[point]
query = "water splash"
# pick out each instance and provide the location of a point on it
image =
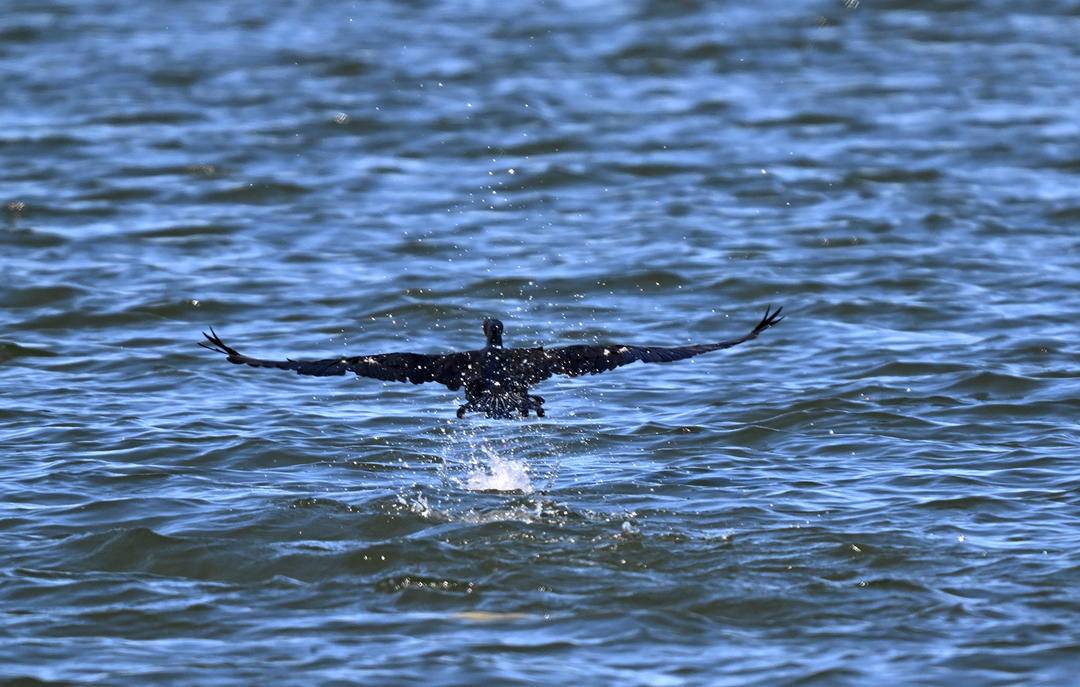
(419, 505)
(498, 458)
(500, 474)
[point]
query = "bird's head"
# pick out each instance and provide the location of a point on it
(493, 330)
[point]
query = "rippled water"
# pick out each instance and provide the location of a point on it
(882, 489)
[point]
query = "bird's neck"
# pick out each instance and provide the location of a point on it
(495, 341)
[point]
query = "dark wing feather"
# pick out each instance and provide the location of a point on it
(540, 363)
(417, 368)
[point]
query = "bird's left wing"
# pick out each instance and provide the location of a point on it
(538, 364)
(417, 368)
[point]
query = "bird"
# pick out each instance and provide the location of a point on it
(496, 379)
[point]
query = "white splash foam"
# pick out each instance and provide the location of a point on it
(419, 505)
(496, 458)
(500, 474)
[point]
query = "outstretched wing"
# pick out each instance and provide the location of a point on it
(540, 363)
(417, 368)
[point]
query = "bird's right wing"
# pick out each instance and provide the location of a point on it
(537, 364)
(450, 369)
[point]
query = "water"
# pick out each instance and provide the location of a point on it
(882, 489)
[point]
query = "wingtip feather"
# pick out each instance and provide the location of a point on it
(217, 345)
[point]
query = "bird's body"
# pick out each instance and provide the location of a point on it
(500, 389)
(496, 380)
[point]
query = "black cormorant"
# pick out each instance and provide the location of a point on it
(496, 379)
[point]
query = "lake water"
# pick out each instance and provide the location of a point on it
(883, 489)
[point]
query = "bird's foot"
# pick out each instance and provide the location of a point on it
(538, 405)
(461, 411)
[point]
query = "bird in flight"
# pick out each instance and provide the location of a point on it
(496, 379)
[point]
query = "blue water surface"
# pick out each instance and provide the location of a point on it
(883, 489)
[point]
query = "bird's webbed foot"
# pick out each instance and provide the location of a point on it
(461, 411)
